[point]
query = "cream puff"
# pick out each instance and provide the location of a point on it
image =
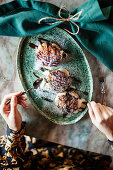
(59, 79)
(49, 54)
(69, 102)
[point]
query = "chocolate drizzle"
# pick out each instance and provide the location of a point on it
(48, 44)
(68, 103)
(73, 89)
(37, 83)
(45, 91)
(35, 74)
(44, 98)
(65, 114)
(43, 69)
(59, 80)
(49, 54)
(76, 80)
(33, 45)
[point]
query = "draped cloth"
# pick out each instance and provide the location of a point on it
(20, 18)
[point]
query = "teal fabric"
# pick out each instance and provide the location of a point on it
(20, 18)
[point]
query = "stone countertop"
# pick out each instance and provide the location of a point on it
(83, 134)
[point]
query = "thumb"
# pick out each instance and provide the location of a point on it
(13, 104)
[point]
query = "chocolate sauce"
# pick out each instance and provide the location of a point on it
(35, 74)
(43, 39)
(41, 57)
(67, 51)
(37, 83)
(49, 45)
(33, 45)
(84, 92)
(43, 69)
(44, 98)
(47, 91)
(70, 103)
(50, 62)
(59, 80)
(64, 114)
(72, 89)
(82, 108)
(75, 79)
(46, 59)
(53, 59)
(84, 103)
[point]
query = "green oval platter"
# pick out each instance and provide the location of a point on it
(76, 63)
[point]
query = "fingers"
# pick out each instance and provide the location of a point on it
(100, 112)
(23, 104)
(104, 111)
(7, 97)
(97, 111)
(110, 111)
(91, 113)
(21, 101)
(12, 94)
(22, 98)
(13, 104)
(16, 94)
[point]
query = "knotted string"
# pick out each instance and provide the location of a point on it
(61, 19)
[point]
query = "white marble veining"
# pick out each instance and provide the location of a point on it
(81, 135)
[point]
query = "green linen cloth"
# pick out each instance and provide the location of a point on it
(19, 18)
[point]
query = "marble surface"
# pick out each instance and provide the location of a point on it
(83, 134)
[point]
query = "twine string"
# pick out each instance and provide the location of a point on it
(61, 19)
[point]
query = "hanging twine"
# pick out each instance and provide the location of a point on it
(61, 19)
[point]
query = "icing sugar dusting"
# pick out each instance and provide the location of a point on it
(73, 63)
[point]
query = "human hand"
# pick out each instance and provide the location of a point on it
(102, 118)
(10, 112)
